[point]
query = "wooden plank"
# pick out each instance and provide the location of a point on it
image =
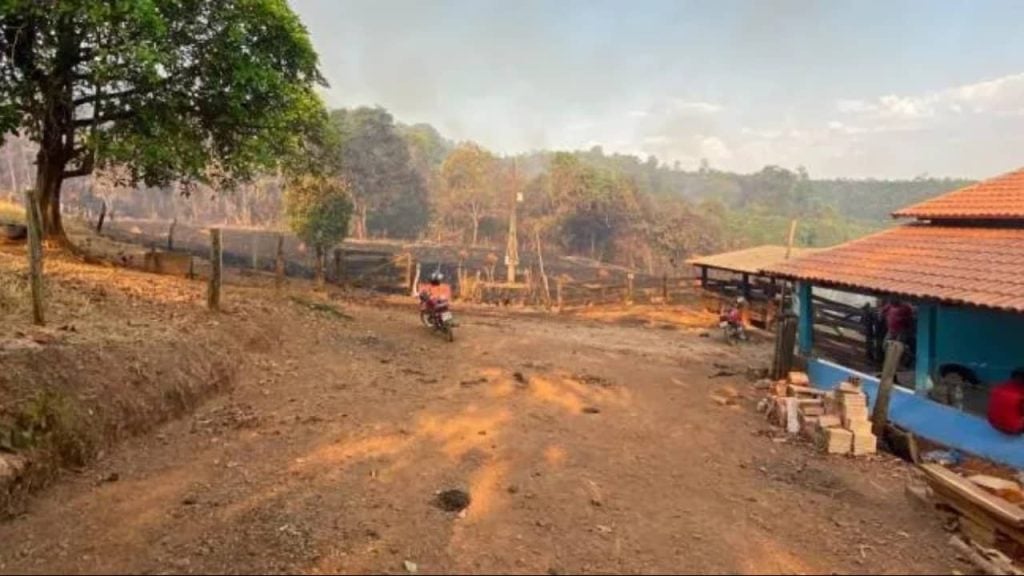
(795, 390)
(817, 299)
(964, 488)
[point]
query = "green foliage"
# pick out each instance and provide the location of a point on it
(318, 210)
(189, 90)
(48, 421)
(469, 188)
(390, 196)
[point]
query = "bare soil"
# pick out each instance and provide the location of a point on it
(584, 446)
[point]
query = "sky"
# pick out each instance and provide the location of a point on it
(865, 88)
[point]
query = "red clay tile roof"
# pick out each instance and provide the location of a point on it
(961, 265)
(999, 198)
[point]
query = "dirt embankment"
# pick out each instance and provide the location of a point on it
(122, 351)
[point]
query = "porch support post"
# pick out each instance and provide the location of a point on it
(703, 276)
(805, 311)
(925, 352)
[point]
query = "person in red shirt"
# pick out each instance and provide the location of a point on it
(899, 321)
(1006, 404)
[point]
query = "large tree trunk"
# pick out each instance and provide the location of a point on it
(48, 184)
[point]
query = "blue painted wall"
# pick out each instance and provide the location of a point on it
(990, 343)
(929, 419)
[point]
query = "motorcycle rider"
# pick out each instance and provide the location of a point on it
(734, 318)
(436, 290)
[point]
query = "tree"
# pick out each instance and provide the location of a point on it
(165, 87)
(390, 196)
(318, 211)
(468, 181)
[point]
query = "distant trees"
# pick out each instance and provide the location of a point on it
(408, 181)
(165, 87)
(389, 194)
(469, 188)
(318, 210)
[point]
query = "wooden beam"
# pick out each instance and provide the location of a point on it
(962, 487)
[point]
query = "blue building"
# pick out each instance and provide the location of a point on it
(959, 260)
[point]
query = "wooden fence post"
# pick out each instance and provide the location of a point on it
(880, 415)
(103, 216)
(629, 288)
(540, 262)
(255, 251)
(170, 235)
(408, 272)
(34, 220)
(279, 263)
(664, 287)
(216, 262)
(416, 280)
(320, 255)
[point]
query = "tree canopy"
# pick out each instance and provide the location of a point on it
(390, 195)
(176, 90)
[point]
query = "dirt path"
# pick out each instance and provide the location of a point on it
(604, 454)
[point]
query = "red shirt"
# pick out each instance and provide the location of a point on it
(1006, 407)
(898, 318)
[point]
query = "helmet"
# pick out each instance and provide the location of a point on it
(436, 278)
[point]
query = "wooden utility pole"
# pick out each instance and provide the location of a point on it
(279, 263)
(512, 250)
(216, 263)
(34, 220)
(880, 414)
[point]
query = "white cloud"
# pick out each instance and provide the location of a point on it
(893, 106)
(1001, 96)
(854, 106)
(638, 113)
(714, 149)
(695, 107)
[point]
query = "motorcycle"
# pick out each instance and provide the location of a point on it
(435, 312)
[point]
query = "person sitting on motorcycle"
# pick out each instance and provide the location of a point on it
(735, 314)
(436, 289)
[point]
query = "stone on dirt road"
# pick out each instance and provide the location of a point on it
(453, 500)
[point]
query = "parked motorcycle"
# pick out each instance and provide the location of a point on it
(435, 312)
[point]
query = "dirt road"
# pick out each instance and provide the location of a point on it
(585, 448)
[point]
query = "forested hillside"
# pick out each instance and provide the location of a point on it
(411, 182)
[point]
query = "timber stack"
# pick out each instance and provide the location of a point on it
(836, 420)
(986, 512)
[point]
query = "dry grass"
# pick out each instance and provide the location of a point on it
(14, 293)
(11, 213)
